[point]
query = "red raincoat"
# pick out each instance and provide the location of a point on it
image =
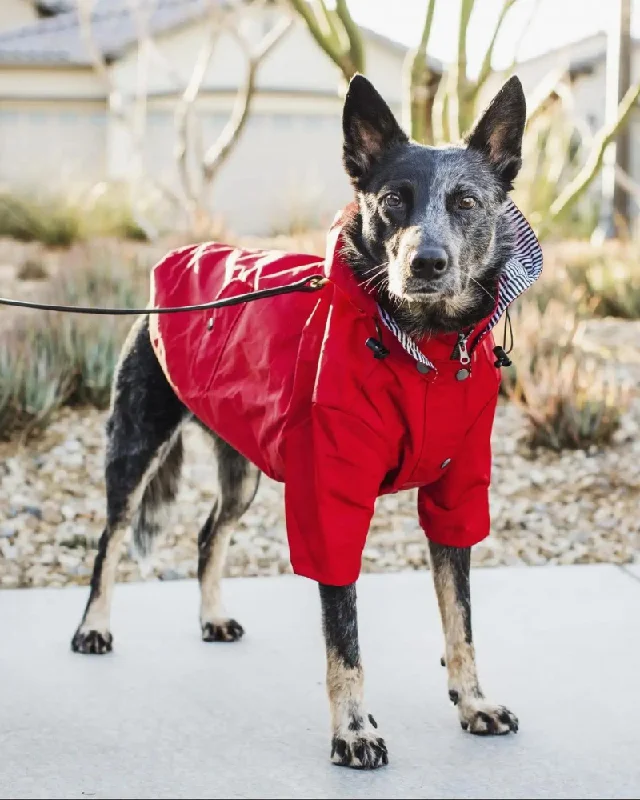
(290, 383)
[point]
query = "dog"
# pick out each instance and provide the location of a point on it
(433, 251)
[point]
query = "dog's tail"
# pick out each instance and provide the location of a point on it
(160, 491)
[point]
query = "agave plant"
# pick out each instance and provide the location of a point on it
(571, 399)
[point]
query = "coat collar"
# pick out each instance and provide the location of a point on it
(521, 271)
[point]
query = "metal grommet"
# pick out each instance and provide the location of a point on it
(422, 368)
(445, 463)
(462, 374)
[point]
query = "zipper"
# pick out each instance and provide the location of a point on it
(460, 351)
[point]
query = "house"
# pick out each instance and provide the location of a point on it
(60, 126)
(585, 62)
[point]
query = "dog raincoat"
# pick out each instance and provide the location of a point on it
(292, 383)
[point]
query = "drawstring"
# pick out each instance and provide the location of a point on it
(375, 345)
(501, 353)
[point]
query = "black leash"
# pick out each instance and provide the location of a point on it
(310, 284)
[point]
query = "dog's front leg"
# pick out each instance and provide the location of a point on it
(451, 566)
(356, 742)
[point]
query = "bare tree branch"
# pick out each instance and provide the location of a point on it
(217, 154)
(327, 43)
(457, 83)
(485, 68)
(356, 48)
(576, 188)
(535, 7)
(329, 23)
(416, 75)
(630, 186)
(184, 118)
(349, 60)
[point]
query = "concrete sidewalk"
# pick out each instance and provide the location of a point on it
(168, 716)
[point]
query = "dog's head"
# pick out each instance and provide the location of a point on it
(429, 237)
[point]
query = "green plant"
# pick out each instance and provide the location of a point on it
(48, 360)
(59, 220)
(49, 220)
(571, 400)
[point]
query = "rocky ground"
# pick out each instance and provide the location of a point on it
(548, 508)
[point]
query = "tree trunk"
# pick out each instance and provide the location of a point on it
(614, 210)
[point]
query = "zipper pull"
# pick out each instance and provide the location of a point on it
(460, 350)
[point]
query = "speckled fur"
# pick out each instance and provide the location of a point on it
(144, 445)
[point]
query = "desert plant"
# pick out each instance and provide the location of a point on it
(571, 400)
(29, 218)
(48, 360)
(60, 220)
(601, 280)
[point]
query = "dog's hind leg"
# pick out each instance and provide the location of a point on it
(451, 568)
(143, 454)
(355, 742)
(238, 482)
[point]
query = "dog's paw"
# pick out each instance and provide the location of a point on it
(92, 642)
(484, 719)
(359, 750)
(227, 630)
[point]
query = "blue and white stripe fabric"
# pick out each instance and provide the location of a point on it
(521, 271)
(406, 341)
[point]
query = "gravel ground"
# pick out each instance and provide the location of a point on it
(548, 508)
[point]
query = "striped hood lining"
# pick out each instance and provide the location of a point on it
(521, 271)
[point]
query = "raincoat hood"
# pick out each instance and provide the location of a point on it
(323, 392)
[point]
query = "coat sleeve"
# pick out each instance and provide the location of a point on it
(454, 511)
(334, 467)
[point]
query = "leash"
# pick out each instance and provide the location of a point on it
(310, 284)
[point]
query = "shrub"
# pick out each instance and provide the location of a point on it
(32, 269)
(571, 399)
(57, 220)
(51, 221)
(603, 280)
(48, 360)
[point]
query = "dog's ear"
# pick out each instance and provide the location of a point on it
(369, 128)
(498, 133)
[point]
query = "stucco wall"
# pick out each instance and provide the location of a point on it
(15, 13)
(50, 145)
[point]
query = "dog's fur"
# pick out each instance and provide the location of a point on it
(426, 235)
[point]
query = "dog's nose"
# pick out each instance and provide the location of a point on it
(430, 263)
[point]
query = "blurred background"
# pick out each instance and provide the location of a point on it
(128, 127)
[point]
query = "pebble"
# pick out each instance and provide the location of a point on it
(547, 508)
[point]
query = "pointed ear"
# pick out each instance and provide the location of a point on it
(498, 133)
(369, 128)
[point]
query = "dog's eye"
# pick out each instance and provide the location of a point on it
(392, 200)
(466, 203)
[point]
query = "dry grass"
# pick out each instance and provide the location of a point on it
(602, 281)
(48, 360)
(571, 399)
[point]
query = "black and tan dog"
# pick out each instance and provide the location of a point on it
(430, 237)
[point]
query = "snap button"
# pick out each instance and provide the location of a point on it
(445, 463)
(422, 368)
(462, 374)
